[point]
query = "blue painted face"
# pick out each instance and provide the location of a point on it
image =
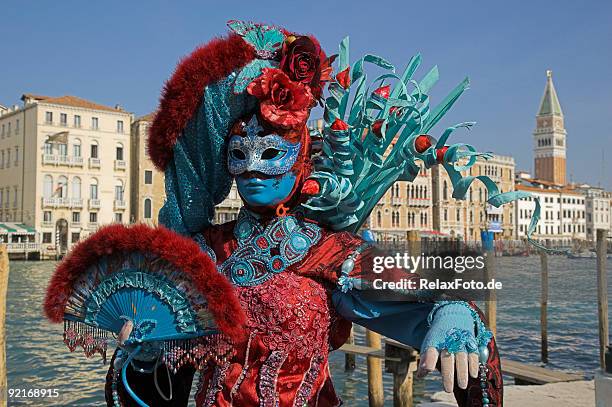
(262, 165)
(265, 191)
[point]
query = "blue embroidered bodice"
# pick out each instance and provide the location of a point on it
(264, 251)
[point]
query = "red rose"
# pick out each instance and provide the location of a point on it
(301, 60)
(282, 102)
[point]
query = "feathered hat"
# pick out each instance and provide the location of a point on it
(374, 133)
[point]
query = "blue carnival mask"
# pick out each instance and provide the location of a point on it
(269, 155)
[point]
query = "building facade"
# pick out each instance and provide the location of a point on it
(148, 191)
(468, 217)
(549, 138)
(147, 194)
(405, 206)
(63, 168)
(598, 210)
(562, 212)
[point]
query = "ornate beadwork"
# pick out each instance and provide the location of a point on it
(216, 384)
(303, 393)
(267, 379)
(264, 252)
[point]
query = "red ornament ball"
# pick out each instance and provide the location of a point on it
(422, 143)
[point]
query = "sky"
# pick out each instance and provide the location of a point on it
(119, 52)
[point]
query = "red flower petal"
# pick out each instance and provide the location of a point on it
(383, 91)
(339, 125)
(440, 154)
(310, 187)
(377, 127)
(344, 78)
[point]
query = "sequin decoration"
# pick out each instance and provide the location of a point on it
(264, 252)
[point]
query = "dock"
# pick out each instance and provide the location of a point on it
(402, 360)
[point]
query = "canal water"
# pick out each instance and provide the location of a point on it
(37, 357)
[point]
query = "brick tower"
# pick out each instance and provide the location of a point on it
(549, 137)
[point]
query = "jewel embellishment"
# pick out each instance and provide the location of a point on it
(264, 252)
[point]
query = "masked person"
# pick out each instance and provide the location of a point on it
(235, 111)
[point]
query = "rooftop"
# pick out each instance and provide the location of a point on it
(550, 102)
(68, 100)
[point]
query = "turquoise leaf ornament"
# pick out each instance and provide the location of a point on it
(267, 40)
(373, 145)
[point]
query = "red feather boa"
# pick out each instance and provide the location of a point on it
(183, 92)
(180, 251)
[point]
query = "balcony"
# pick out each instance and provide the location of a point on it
(94, 163)
(120, 165)
(23, 247)
(50, 159)
(55, 159)
(396, 201)
(76, 203)
(94, 203)
(420, 202)
(119, 204)
(54, 202)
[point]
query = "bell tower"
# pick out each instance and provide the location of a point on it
(549, 137)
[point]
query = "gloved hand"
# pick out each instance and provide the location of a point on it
(459, 337)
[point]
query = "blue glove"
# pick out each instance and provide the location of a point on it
(455, 327)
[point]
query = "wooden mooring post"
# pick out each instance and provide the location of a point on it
(376, 394)
(602, 295)
(491, 295)
(544, 307)
(349, 358)
(4, 274)
(401, 361)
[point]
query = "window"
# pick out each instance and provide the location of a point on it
(76, 148)
(77, 121)
(16, 156)
(94, 151)
(119, 126)
(444, 190)
(119, 192)
(49, 117)
(148, 177)
(46, 237)
(48, 186)
(8, 158)
(2, 159)
(118, 217)
(147, 209)
(93, 190)
(15, 196)
(94, 123)
(75, 237)
(93, 217)
(17, 126)
(3, 130)
(47, 217)
(63, 119)
(63, 149)
(48, 148)
(76, 188)
(62, 187)
(76, 217)
(119, 153)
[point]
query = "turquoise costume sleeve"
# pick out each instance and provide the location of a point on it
(405, 322)
(447, 325)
